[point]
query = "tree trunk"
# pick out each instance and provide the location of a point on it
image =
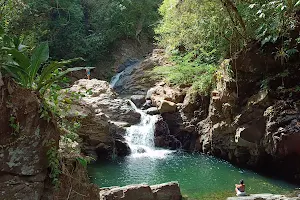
(230, 6)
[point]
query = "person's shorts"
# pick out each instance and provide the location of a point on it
(240, 194)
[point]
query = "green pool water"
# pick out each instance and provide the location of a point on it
(200, 176)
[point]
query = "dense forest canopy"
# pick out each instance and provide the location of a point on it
(224, 25)
(198, 34)
(78, 28)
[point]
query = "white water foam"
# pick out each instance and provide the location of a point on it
(140, 137)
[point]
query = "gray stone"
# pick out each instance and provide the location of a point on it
(167, 107)
(152, 111)
(167, 191)
(103, 117)
(138, 100)
(130, 192)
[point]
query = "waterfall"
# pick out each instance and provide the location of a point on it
(115, 79)
(140, 137)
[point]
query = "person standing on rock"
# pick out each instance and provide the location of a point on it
(240, 188)
(88, 73)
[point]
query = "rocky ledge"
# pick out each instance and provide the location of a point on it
(165, 191)
(242, 121)
(103, 117)
(264, 197)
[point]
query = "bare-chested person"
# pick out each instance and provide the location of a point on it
(240, 188)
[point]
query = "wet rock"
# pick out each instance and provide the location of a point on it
(122, 148)
(138, 100)
(141, 150)
(162, 136)
(147, 104)
(161, 128)
(138, 78)
(126, 64)
(152, 111)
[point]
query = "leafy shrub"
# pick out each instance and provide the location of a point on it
(189, 71)
(31, 72)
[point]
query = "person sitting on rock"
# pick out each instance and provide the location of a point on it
(240, 188)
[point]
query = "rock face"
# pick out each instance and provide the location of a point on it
(242, 121)
(25, 141)
(103, 118)
(138, 78)
(166, 191)
(256, 128)
(162, 135)
(263, 197)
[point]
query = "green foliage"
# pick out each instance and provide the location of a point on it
(272, 19)
(76, 28)
(192, 24)
(14, 124)
(211, 25)
(190, 70)
(53, 163)
(31, 72)
(222, 27)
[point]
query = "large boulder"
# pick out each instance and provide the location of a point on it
(138, 100)
(163, 92)
(25, 141)
(103, 117)
(165, 191)
(167, 107)
(130, 192)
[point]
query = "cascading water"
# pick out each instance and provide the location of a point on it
(115, 79)
(140, 137)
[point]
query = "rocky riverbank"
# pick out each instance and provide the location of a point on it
(252, 118)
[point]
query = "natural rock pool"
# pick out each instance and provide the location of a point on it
(200, 176)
